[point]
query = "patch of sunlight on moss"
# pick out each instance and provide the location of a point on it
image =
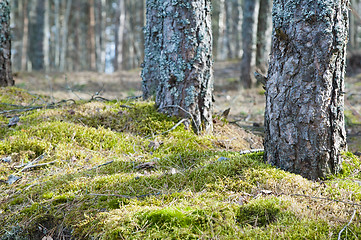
(351, 166)
(350, 118)
(14, 95)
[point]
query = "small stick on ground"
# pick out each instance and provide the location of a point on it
(348, 224)
(251, 151)
(101, 165)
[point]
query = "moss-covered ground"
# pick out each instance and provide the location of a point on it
(113, 170)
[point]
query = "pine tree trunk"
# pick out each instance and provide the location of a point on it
(119, 35)
(304, 121)
(6, 78)
(46, 39)
(92, 44)
(250, 8)
(178, 58)
(64, 37)
(36, 35)
(263, 35)
(24, 49)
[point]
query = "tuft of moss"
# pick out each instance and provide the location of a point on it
(261, 212)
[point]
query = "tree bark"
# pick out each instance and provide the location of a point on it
(64, 38)
(36, 35)
(119, 35)
(304, 121)
(92, 43)
(46, 39)
(263, 45)
(250, 8)
(178, 58)
(6, 78)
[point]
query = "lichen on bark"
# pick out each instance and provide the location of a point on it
(178, 59)
(304, 121)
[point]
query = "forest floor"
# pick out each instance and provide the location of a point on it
(247, 106)
(89, 168)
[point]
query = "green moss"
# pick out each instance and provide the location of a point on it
(194, 192)
(261, 212)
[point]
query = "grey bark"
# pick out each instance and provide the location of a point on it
(57, 33)
(178, 59)
(119, 35)
(64, 37)
(46, 39)
(6, 78)
(304, 121)
(250, 8)
(36, 34)
(264, 29)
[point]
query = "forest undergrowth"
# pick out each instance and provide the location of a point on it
(99, 169)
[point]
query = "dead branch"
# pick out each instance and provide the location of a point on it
(174, 127)
(125, 196)
(251, 151)
(101, 165)
(328, 199)
(30, 167)
(348, 224)
(30, 108)
(176, 106)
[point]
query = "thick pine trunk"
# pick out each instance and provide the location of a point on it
(304, 121)
(6, 78)
(178, 59)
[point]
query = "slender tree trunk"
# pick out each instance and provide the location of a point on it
(92, 35)
(64, 39)
(57, 33)
(178, 57)
(6, 78)
(264, 28)
(46, 35)
(221, 43)
(24, 51)
(119, 35)
(304, 121)
(250, 8)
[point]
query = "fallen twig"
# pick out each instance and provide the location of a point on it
(176, 106)
(32, 162)
(101, 165)
(328, 199)
(125, 196)
(251, 151)
(30, 108)
(348, 224)
(174, 127)
(36, 165)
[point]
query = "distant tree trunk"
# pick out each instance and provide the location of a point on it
(304, 121)
(222, 31)
(92, 44)
(119, 35)
(248, 39)
(6, 78)
(64, 38)
(237, 27)
(36, 35)
(24, 54)
(263, 35)
(57, 33)
(178, 58)
(46, 35)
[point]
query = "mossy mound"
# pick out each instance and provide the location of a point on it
(112, 170)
